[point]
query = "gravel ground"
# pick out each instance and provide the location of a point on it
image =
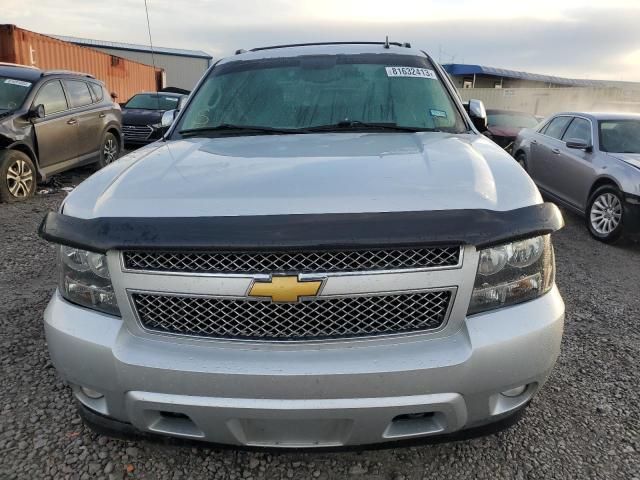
(584, 423)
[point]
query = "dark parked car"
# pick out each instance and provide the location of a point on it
(503, 126)
(142, 116)
(52, 121)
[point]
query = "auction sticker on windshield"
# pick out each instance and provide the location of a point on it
(412, 72)
(20, 83)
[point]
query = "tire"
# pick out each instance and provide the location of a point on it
(18, 177)
(521, 158)
(109, 150)
(605, 214)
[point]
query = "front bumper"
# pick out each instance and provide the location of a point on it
(308, 395)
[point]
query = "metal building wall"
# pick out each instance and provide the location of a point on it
(180, 71)
(547, 101)
(122, 76)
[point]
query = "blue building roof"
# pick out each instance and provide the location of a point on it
(461, 69)
(87, 42)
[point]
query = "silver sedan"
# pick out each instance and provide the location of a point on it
(589, 163)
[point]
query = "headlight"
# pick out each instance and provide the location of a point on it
(513, 273)
(85, 280)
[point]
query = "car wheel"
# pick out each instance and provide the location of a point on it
(110, 150)
(605, 214)
(17, 176)
(521, 158)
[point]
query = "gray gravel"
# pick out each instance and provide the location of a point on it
(584, 424)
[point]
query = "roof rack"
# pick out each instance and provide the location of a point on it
(66, 72)
(384, 44)
(7, 64)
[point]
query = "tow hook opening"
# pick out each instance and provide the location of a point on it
(172, 423)
(413, 424)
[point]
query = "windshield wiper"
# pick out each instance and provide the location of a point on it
(359, 125)
(228, 127)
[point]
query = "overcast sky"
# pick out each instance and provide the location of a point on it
(595, 39)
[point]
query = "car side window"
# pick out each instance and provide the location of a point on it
(580, 129)
(51, 95)
(98, 94)
(543, 128)
(79, 94)
(557, 127)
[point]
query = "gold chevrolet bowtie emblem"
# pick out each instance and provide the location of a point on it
(285, 289)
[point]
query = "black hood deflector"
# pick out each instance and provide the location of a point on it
(481, 228)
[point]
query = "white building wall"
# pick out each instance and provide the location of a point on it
(181, 72)
(547, 101)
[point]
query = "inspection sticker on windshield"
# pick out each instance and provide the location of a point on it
(438, 113)
(20, 83)
(412, 72)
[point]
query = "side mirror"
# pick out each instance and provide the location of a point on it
(37, 112)
(478, 114)
(168, 117)
(577, 144)
(114, 95)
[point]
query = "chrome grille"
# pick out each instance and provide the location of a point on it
(137, 132)
(307, 320)
(298, 262)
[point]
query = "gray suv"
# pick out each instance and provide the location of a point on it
(322, 251)
(52, 121)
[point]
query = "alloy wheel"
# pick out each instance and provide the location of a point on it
(110, 151)
(19, 179)
(606, 213)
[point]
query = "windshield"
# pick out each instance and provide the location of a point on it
(511, 120)
(620, 136)
(13, 92)
(151, 101)
(325, 90)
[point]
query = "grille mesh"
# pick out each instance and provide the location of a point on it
(137, 132)
(298, 262)
(306, 320)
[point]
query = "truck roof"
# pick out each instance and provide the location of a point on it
(337, 48)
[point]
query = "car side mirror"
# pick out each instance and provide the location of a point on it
(478, 114)
(37, 112)
(168, 117)
(577, 144)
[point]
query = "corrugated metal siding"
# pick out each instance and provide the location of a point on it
(122, 76)
(181, 72)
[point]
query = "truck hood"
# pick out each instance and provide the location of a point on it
(306, 173)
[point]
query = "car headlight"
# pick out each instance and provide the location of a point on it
(85, 280)
(513, 273)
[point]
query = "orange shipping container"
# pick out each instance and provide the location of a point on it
(121, 76)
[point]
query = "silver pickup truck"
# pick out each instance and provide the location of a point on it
(323, 251)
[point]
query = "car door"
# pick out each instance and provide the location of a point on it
(534, 158)
(56, 133)
(547, 146)
(573, 168)
(88, 117)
